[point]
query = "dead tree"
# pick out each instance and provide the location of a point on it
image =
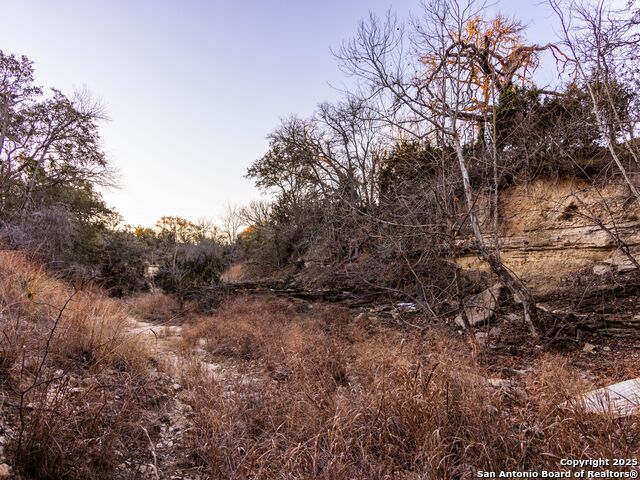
(437, 90)
(601, 45)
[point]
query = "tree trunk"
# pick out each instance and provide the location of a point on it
(32, 183)
(513, 283)
(3, 135)
(5, 122)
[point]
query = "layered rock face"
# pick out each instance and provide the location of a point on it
(564, 238)
(551, 231)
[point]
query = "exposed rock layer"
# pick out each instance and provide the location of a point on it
(550, 232)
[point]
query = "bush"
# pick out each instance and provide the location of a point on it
(193, 273)
(49, 232)
(123, 266)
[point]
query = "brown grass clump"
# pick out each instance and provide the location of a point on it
(325, 398)
(72, 379)
(155, 307)
(236, 272)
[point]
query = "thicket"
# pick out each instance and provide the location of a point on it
(382, 188)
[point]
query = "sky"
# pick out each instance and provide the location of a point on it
(193, 87)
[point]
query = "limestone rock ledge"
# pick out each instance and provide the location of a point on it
(550, 233)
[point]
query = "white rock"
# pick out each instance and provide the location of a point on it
(406, 307)
(5, 471)
(601, 269)
(589, 348)
(481, 307)
(500, 383)
(514, 317)
(621, 399)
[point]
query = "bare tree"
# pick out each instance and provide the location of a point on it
(257, 213)
(438, 89)
(232, 222)
(601, 47)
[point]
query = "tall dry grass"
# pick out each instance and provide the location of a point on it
(324, 396)
(156, 307)
(73, 380)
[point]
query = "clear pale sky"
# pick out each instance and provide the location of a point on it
(193, 87)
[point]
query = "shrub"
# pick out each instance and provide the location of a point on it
(193, 272)
(123, 267)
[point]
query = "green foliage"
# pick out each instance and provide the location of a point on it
(514, 104)
(123, 267)
(192, 272)
(268, 247)
(286, 168)
(408, 162)
(177, 230)
(92, 218)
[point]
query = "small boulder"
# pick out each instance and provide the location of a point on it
(601, 269)
(480, 308)
(514, 317)
(5, 471)
(509, 387)
(500, 383)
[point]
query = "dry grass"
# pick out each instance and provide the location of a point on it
(73, 381)
(236, 272)
(155, 307)
(333, 398)
(309, 392)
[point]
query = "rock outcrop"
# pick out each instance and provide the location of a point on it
(553, 230)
